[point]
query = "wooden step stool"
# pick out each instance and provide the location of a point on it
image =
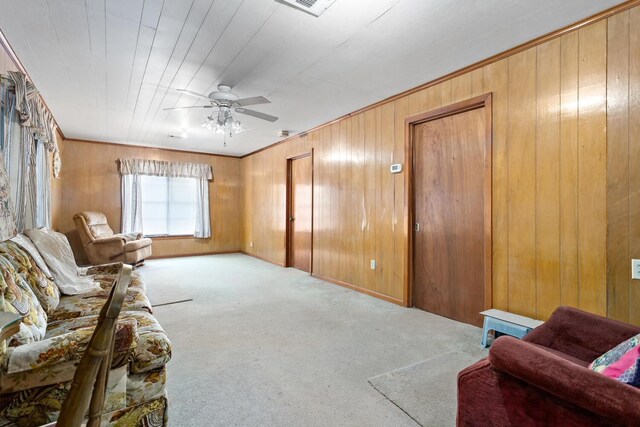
(503, 322)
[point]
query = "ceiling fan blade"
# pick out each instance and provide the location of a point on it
(197, 95)
(256, 114)
(243, 102)
(184, 108)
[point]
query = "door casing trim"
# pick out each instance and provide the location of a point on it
(288, 261)
(482, 101)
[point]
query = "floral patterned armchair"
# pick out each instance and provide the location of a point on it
(38, 364)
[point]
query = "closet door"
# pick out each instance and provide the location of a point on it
(449, 239)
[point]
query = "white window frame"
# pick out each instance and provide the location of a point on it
(168, 203)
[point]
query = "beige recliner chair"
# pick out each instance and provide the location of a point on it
(102, 246)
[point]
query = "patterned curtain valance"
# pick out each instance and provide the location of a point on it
(161, 168)
(33, 114)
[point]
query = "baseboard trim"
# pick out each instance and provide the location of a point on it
(361, 290)
(337, 282)
(279, 264)
(193, 254)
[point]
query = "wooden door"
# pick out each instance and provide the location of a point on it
(300, 213)
(449, 213)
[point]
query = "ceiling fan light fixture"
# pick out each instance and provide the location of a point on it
(222, 122)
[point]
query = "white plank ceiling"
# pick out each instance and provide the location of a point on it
(107, 68)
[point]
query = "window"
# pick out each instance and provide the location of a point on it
(169, 205)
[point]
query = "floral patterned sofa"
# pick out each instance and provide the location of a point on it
(38, 363)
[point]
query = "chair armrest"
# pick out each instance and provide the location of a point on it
(570, 382)
(130, 237)
(580, 334)
(110, 240)
(107, 248)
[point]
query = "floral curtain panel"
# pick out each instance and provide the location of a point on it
(131, 171)
(27, 138)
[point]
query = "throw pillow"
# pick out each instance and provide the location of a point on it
(56, 251)
(621, 362)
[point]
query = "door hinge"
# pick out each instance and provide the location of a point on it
(416, 227)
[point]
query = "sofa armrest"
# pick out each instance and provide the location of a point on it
(580, 334)
(564, 379)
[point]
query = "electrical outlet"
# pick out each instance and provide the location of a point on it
(373, 264)
(635, 269)
(250, 244)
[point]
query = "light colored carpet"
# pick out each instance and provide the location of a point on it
(426, 391)
(168, 294)
(264, 345)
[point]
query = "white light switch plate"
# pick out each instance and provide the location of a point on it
(373, 264)
(635, 269)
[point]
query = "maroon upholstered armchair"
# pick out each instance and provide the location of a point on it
(544, 380)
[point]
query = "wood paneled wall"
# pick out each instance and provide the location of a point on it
(90, 181)
(555, 106)
(623, 164)
(566, 180)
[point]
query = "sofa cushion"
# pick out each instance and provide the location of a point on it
(621, 362)
(56, 251)
(153, 350)
(17, 297)
(43, 287)
(63, 345)
(72, 306)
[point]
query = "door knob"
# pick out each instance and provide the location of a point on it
(291, 219)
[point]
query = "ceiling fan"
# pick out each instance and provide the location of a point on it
(227, 101)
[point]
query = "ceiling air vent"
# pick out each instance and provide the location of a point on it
(314, 7)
